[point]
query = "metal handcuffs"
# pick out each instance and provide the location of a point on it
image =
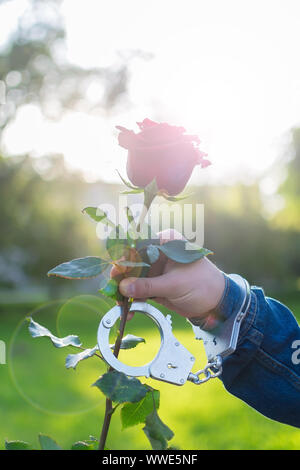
(173, 362)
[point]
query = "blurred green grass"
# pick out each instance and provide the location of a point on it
(39, 395)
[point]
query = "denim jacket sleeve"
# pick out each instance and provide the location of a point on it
(264, 371)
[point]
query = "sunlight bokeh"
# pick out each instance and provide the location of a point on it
(69, 73)
(225, 70)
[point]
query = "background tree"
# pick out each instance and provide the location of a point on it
(35, 68)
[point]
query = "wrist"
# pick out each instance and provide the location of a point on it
(228, 304)
(213, 288)
(217, 313)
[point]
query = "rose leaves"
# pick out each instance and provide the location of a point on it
(180, 251)
(136, 413)
(36, 330)
(81, 268)
(157, 432)
(119, 388)
(47, 443)
(141, 404)
(73, 359)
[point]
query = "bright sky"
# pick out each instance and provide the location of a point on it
(227, 70)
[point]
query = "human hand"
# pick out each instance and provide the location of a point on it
(191, 290)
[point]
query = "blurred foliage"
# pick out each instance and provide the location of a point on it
(48, 398)
(35, 69)
(42, 226)
(41, 223)
(245, 242)
(289, 217)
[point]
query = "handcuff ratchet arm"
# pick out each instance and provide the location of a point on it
(173, 362)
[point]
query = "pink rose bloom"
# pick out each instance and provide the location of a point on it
(163, 152)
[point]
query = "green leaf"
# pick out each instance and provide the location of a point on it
(175, 198)
(73, 359)
(98, 215)
(150, 191)
(145, 242)
(104, 280)
(129, 185)
(178, 250)
(83, 445)
(132, 264)
(136, 413)
(88, 444)
(120, 388)
(191, 246)
(132, 234)
(110, 289)
(138, 269)
(132, 237)
(152, 187)
(129, 216)
(47, 443)
(157, 432)
(36, 330)
(133, 191)
(17, 445)
(80, 268)
(130, 342)
(152, 253)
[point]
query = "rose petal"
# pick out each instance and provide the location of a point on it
(161, 133)
(127, 138)
(199, 157)
(192, 138)
(146, 123)
(205, 163)
(163, 152)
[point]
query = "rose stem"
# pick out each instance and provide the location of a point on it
(108, 403)
(148, 199)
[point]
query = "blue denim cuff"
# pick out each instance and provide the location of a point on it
(230, 302)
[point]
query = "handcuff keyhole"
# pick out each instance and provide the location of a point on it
(170, 366)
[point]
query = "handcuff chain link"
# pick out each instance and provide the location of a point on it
(209, 374)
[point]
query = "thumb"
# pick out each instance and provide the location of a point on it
(143, 288)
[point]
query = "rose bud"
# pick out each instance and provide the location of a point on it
(163, 152)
